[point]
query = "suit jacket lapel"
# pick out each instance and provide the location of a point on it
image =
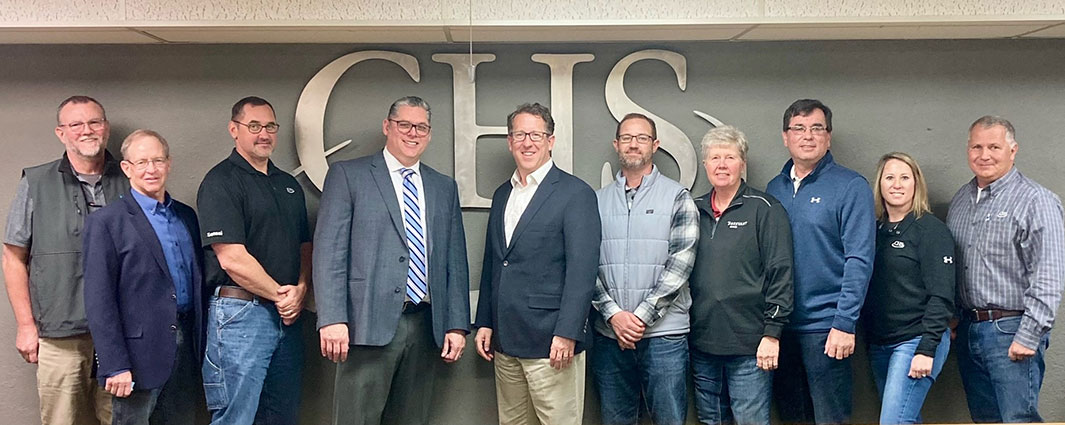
(147, 233)
(388, 193)
(496, 231)
(544, 191)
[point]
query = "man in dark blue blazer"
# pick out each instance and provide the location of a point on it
(143, 292)
(540, 263)
(390, 274)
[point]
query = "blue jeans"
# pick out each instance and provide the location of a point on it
(901, 397)
(253, 364)
(809, 386)
(657, 369)
(736, 382)
(997, 388)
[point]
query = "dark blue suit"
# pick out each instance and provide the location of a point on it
(541, 285)
(130, 299)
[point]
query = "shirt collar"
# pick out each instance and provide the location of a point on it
(996, 186)
(394, 165)
(533, 178)
(150, 205)
(243, 164)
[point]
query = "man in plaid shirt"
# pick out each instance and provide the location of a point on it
(650, 229)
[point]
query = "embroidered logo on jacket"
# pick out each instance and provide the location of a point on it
(214, 234)
(736, 224)
(898, 245)
(290, 190)
(815, 199)
(948, 260)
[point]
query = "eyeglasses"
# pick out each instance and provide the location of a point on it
(535, 136)
(142, 164)
(255, 127)
(642, 139)
(94, 125)
(405, 126)
(817, 130)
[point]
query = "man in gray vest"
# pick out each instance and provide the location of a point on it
(42, 262)
(650, 229)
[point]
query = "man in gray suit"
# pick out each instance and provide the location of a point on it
(390, 275)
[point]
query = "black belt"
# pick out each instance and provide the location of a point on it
(411, 308)
(975, 315)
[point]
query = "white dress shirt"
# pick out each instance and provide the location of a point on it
(520, 196)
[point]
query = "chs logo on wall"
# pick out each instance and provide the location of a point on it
(310, 112)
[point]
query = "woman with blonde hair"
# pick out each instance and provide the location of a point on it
(910, 298)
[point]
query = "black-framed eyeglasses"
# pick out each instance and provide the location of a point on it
(405, 126)
(817, 130)
(94, 125)
(642, 139)
(535, 136)
(255, 127)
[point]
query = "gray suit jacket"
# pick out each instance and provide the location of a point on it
(360, 252)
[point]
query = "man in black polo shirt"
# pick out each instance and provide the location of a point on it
(257, 260)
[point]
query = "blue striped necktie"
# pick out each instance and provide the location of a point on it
(417, 271)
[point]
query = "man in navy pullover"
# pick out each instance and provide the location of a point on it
(831, 212)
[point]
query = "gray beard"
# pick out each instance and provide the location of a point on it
(633, 164)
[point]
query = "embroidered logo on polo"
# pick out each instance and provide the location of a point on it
(736, 224)
(650, 211)
(898, 245)
(948, 260)
(214, 234)
(815, 199)
(1002, 214)
(290, 190)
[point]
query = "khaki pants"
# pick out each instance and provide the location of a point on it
(69, 395)
(530, 391)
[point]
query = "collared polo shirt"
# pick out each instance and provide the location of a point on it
(266, 213)
(176, 242)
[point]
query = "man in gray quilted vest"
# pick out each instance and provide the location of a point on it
(650, 229)
(42, 262)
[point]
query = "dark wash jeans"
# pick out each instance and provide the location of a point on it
(809, 386)
(997, 388)
(731, 383)
(657, 369)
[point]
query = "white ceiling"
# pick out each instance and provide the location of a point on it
(506, 32)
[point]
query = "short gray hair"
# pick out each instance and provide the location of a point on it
(413, 101)
(988, 121)
(725, 135)
(136, 134)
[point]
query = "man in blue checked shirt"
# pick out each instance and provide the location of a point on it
(1010, 241)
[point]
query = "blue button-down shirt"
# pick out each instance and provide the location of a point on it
(176, 242)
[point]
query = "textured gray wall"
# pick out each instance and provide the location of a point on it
(917, 97)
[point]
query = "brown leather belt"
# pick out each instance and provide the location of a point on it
(235, 292)
(990, 314)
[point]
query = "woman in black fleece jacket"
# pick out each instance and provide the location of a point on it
(910, 298)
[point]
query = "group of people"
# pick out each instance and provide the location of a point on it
(131, 303)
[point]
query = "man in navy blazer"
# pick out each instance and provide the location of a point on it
(390, 275)
(143, 292)
(540, 262)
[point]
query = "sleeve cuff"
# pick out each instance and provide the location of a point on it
(647, 313)
(844, 324)
(608, 310)
(773, 329)
(1028, 334)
